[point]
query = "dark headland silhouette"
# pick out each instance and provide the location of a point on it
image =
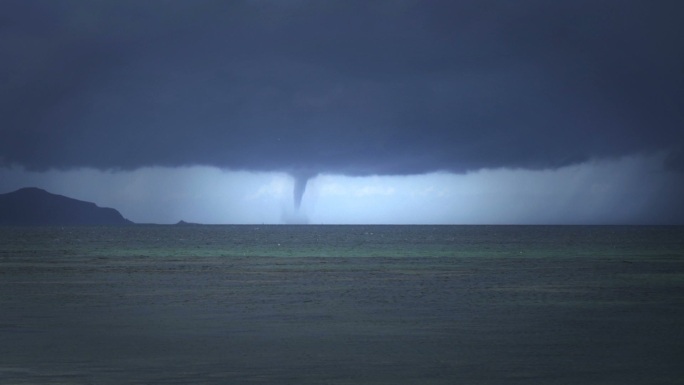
(32, 206)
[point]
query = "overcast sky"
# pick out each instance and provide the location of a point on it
(397, 111)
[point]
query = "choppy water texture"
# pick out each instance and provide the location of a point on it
(342, 305)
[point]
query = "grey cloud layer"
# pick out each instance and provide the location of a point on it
(354, 87)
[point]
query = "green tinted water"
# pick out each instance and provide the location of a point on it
(346, 241)
(342, 304)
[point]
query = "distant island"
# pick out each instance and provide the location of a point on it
(32, 206)
(184, 223)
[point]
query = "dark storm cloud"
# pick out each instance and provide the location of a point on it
(354, 87)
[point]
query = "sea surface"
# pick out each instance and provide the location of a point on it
(342, 305)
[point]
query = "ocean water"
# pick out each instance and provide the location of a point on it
(342, 305)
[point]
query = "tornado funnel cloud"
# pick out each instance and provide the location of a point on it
(300, 182)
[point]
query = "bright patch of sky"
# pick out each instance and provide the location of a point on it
(626, 190)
